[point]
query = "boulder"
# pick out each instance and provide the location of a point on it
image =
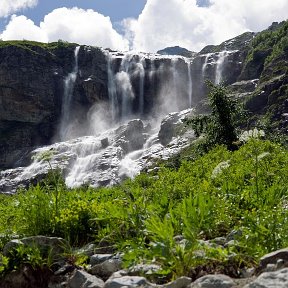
(273, 257)
(277, 279)
(128, 282)
(84, 280)
(106, 268)
(181, 282)
(99, 258)
(213, 281)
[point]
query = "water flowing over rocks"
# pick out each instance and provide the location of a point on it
(95, 109)
(60, 92)
(85, 160)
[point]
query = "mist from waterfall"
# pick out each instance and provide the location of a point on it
(69, 82)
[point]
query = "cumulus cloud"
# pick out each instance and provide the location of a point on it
(73, 25)
(8, 7)
(192, 24)
(22, 28)
(165, 23)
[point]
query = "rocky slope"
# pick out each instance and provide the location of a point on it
(106, 271)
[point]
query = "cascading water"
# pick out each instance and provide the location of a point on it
(204, 66)
(175, 74)
(190, 83)
(69, 83)
(219, 66)
(141, 71)
(112, 92)
(102, 159)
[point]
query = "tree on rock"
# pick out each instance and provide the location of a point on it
(219, 127)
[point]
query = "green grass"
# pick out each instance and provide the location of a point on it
(221, 191)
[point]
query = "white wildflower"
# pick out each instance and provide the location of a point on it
(219, 168)
(254, 133)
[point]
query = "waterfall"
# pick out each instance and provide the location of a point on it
(141, 67)
(219, 66)
(175, 75)
(205, 65)
(190, 84)
(111, 86)
(69, 83)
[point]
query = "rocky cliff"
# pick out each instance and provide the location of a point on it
(61, 91)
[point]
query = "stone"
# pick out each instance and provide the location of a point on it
(106, 269)
(181, 282)
(87, 250)
(276, 279)
(273, 257)
(99, 258)
(128, 281)
(146, 269)
(213, 281)
(84, 280)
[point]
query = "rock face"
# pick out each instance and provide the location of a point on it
(60, 92)
(34, 80)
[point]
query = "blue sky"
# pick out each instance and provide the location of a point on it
(115, 9)
(146, 25)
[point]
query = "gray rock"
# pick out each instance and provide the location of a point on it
(144, 269)
(84, 280)
(213, 281)
(128, 281)
(87, 250)
(107, 268)
(99, 258)
(170, 126)
(181, 282)
(273, 257)
(277, 279)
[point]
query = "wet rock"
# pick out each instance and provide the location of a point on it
(213, 281)
(277, 279)
(131, 136)
(170, 124)
(85, 280)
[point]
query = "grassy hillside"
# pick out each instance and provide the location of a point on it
(243, 191)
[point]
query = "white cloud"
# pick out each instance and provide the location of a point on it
(73, 25)
(162, 23)
(22, 28)
(8, 7)
(165, 23)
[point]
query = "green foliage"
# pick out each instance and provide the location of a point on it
(165, 217)
(219, 127)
